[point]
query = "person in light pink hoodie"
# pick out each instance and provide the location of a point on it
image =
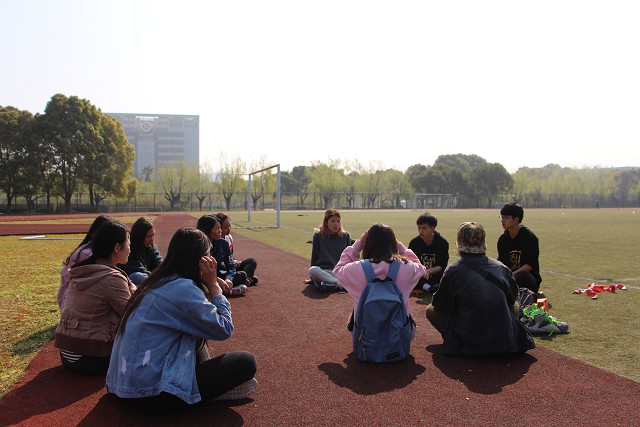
(379, 244)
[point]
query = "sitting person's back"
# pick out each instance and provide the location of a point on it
(475, 307)
(95, 303)
(383, 339)
(80, 253)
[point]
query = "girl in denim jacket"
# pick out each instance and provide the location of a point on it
(157, 360)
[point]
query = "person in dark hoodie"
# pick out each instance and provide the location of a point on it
(144, 256)
(97, 295)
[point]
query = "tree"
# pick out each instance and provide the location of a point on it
(231, 178)
(372, 180)
(491, 179)
(172, 179)
(132, 189)
(416, 174)
(30, 180)
(461, 162)
(262, 182)
(147, 173)
(110, 159)
(625, 181)
(301, 174)
(202, 182)
(398, 185)
(352, 182)
(326, 179)
(15, 132)
(70, 126)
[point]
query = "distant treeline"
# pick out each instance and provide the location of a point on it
(74, 157)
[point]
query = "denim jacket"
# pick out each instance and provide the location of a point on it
(155, 351)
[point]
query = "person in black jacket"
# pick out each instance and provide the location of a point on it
(144, 256)
(475, 309)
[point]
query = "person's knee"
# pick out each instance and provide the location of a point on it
(239, 278)
(138, 277)
(246, 362)
(524, 279)
(436, 318)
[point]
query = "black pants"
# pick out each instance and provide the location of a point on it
(88, 365)
(249, 266)
(214, 377)
(524, 279)
(239, 278)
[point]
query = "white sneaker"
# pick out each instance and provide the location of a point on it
(238, 290)
(242, 391)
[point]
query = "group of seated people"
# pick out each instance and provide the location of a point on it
(144, 320)
(139, 318)
(476, 302)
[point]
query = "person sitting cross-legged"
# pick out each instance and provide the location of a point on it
(475, 309)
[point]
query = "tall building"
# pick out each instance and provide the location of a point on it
(161, 138)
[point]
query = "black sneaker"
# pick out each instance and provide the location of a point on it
(254, 280)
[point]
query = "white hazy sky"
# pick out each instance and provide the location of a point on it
(386, 82)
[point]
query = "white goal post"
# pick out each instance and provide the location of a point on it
(434, 201)
(277, 195)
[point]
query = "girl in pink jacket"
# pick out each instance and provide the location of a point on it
(379, 244)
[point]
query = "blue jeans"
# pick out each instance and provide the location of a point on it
(137, 277)
(318, 275)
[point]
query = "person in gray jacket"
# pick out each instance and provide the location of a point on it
(328, 243)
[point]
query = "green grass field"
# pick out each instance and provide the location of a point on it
(577, 247)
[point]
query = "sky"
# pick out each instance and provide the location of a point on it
(388, 84)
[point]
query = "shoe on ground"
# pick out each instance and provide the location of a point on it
(543, 323)
(254, 280)
(329, 287)
(238, 290)
(242, 391)
(307, 282)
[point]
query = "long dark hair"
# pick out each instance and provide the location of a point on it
(222, 217)
(104, 241)
(381, 245)
(139, 231)
(206, 223)
(187, 247)
(89, 236)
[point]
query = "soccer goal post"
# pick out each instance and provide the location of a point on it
(263, 190)
(433, 201)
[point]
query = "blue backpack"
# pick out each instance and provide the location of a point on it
(382, 328)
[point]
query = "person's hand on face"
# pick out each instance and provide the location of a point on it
(208, 266)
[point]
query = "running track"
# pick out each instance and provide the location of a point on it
(308, 376)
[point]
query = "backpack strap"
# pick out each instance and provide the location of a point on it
(371, 275)
(393, 270)
(368, 270)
